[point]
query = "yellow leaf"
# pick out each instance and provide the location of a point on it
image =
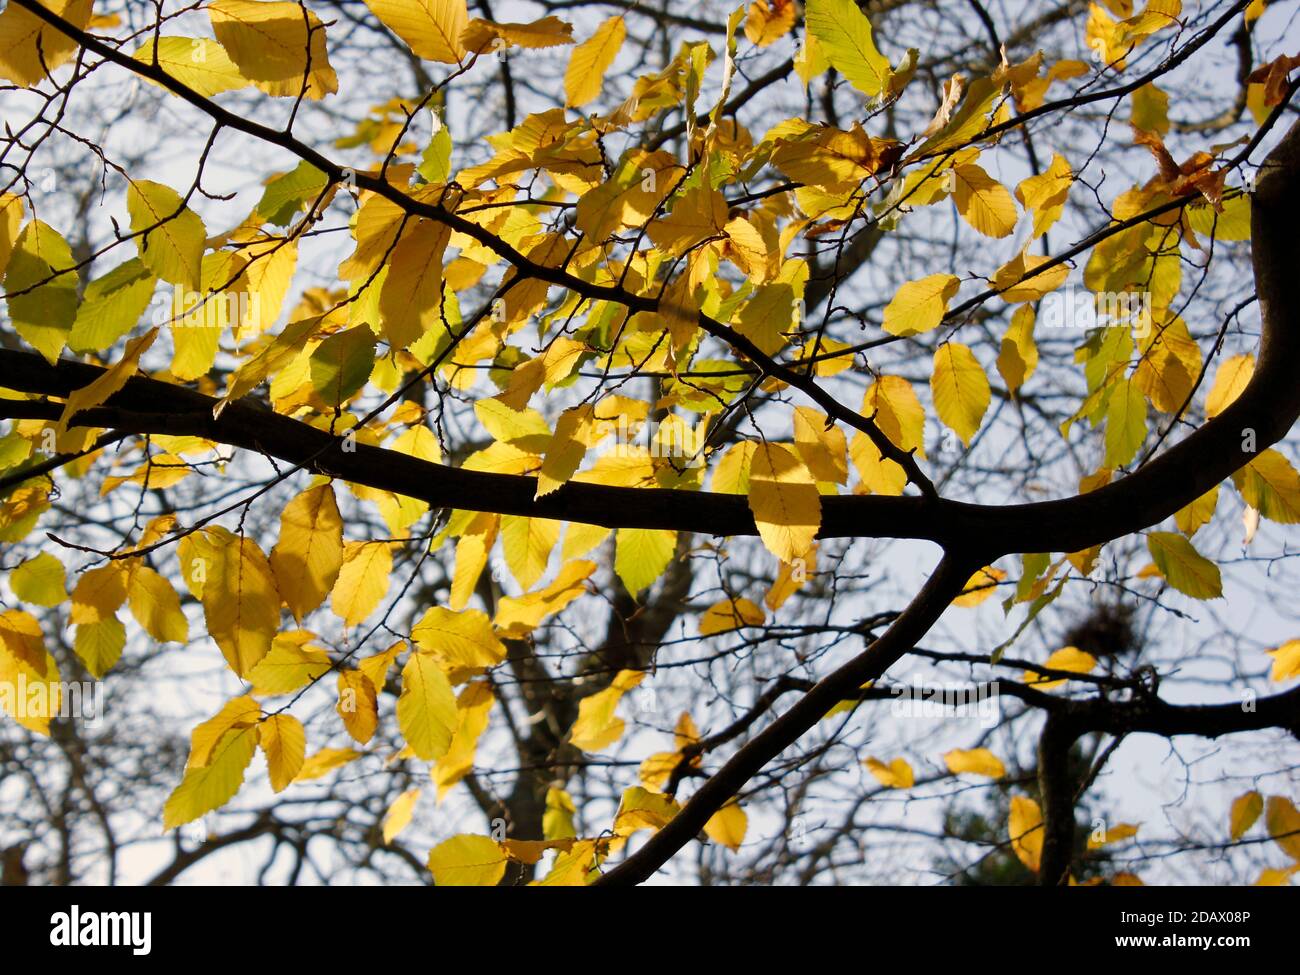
(766, 23)
(897, 774)
(810, 62)
(207, 787)
(1018, 355)
(99, 593)
(977, 761)
(40, 580)
(1116, 834)
(463, 639)
(288, 666)
(471, 557)
(1070, 659)
(1276, 878)
(197, 62)
(267, 274)
(100, 644)
(1170, 363)
(28, 45)
(473, 708)
(468, 861)
(983, 201)
(573, 432)
(1183, 567)
(155, 606)
(357, 705)
(731, 474)
(960, 389)
(307, 558)
(1286, 661)
(431, 28)
(410, 301)
(1017, 281)
(898, 412)
(481, 36)
(269, 41)
(980, 587)
(1272, 486)
(919, 306)
(1192, 517)
(426, 711)
(19, 635)
(377, 665)
(748, 251)
(843, 36)
(240, 603)
(641, 809)
(1026, 829)
(11, 218)
(641, 555)
(557, 821)
(1229, 380)
(325, 761)
(42, 301)
(399, 814)
(109, 381)
(171, 237)
(790, 579)
(597, 726)
(1245, 811)
(1126, 423)
(784, 500)
(241, 712)
(1283, 823)
(698, 214)
(284, 742)
(729, 824)
(1045, 193)
(362, 581)
(577, 866)
(631, 196)
(516, 618)
(727, 615)
(527, 544)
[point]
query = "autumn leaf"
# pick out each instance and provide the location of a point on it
(784, 500)
(591, 59)
(362, 581)
(467, 861)
(896, 775)
(960, 388)
(919, 306)
(171, 235)
(976, 761)
(431, 28)
(284, 743)
(1026, 829)
(426, 710)
(309, 554)
(843, 36)
(277, 44)
(30, 48)
(207, 787)
(1183, 567)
